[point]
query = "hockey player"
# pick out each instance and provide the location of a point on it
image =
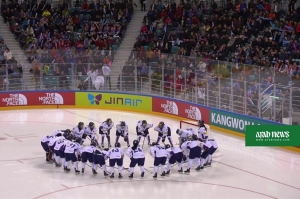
(202, 131)
(116, 156)
(160, 157)
(174, 155)
(104, 130)
(137, 156)
(194, 152)
(142, 129)
(185, 134)
(206, 150)
(59, 148)
(71, 151)
(78, 130)
(212, 150)
(99, 157)
(163, 132)
(44, 142)
(90, 131)
(122, 130)
(87, 155)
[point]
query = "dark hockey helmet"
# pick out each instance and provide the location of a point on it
(122, 123)
(183, 140)
(91, 125)
(108, 121)
(117, 144)
(80, 124)
(78, 140)
(67, 134)
(200, 122)
(167, 146)
(154, 144)
(106, 149)
(135, 142)
(194, 137)
(144, 123)
(58, 135)
(161, 124)
(67, 131)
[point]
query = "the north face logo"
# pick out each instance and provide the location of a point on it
(193, 113)
(171, 107)
(95, 99)
(15, 100)
(52, 98)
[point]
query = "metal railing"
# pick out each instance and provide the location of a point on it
(251, 90)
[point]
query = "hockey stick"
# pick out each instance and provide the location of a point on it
(143, 142)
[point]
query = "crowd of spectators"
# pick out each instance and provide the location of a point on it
(84, 35)
(256, 42)
(10, 71)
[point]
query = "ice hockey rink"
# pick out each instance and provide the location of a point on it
(236, 172)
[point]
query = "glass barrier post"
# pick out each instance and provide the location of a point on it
(220, 95)
(7, 80)
(136, 79)
(121, 81)
(274, 104)
(162, 81)
(231, 95)
(174, 84)
(41, 77)
(245, 97)
(290, 106)
(149, 76)
(197, 89)
(259, 99)
(207, 94)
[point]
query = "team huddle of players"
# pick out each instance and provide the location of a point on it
(67, 146)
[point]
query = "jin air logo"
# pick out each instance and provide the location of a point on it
(95, 99)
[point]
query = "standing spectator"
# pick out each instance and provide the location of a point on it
(82, 86)
(7, 55)
(106, 72)
(143, 5)
(63, 80)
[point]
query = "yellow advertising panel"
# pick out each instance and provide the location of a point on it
(112, 100)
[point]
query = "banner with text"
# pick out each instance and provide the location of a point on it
(272, 135)
(234, 122)
(181, 109)
(106, 100)
(37, 98)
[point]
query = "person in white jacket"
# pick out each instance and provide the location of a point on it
(106, 72)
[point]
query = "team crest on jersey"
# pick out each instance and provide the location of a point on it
(170, 107)
(15, 100)
(193, 113)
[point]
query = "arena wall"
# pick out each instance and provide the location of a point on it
(220, 120)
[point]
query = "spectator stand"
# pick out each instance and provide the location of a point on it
(92, 29)
(244, 53)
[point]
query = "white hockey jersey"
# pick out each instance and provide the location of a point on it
(88, 149)
(48, 138)
(136, 154)
(158, 151)
(164, 130)
(140, 128)
(173, 150)
(206, 145)
(213, 142)
(104, 127)
(185, 148)
(185, 133)
(57, 132)
(78, 132)
(59, 142)
(89, 131)
(202, 133)
(115, 153)
(121, 130)
(72, 147)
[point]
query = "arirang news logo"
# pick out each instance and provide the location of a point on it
(15, 100)
(94, 99)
